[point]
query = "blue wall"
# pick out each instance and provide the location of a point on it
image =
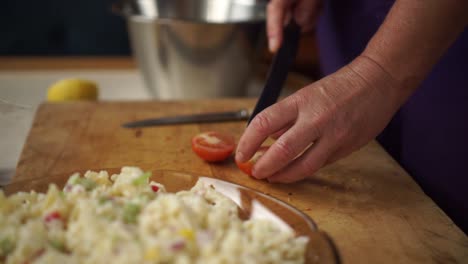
(61, 27)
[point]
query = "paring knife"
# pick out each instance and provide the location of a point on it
(242, 114)
(278, 72)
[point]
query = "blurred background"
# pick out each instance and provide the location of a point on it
(89, 28)
(43, 42)
(62, 28)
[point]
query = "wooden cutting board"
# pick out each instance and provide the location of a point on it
(367, 203)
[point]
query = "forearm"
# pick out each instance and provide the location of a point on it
(413, 37)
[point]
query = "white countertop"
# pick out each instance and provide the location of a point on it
(22, 91)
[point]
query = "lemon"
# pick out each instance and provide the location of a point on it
(72, 89)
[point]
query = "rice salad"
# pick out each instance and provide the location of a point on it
(126, 218)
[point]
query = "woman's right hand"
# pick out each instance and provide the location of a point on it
(304, 12)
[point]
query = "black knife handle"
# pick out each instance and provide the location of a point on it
(280, 66)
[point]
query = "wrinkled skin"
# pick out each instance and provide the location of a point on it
(322, 122)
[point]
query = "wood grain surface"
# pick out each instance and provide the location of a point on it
(367, 203)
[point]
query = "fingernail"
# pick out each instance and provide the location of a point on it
(240, 156)
(272, 43)
(257, 174)
(254, 173)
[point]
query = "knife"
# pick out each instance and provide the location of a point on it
(242, 114)
(278, 71)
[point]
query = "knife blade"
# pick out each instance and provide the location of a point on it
(278, 71)
(242, 114)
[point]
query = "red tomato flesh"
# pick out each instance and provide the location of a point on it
(213, 146)
(247, 166)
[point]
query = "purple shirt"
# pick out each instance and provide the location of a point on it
(429, 135)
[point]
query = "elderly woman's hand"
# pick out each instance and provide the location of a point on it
(337, 115)
(322, 122)
(304, 12)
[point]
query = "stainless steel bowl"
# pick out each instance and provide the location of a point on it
(195, 48)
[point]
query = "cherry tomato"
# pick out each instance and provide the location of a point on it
(213, 146)
(247, 166)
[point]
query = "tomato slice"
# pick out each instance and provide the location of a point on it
(213, 146)
(247, 166)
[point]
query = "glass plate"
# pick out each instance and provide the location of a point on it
(252, 205)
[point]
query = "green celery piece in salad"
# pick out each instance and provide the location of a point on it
(6, 246)
(74, 179)
(57, 244)
(130, 213)
(142, 179)
(103, 200)
(88, 184)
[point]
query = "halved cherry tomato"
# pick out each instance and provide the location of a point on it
(213, 146)
(247, 166)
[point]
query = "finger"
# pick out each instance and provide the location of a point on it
(306, 13)
(285, 149)
(337, 155)
(276, 10)
(306, 165)
(263, 125)
(280, 132)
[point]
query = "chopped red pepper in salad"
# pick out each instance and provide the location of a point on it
(155, 188)
(178, 245)
(53, 216)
